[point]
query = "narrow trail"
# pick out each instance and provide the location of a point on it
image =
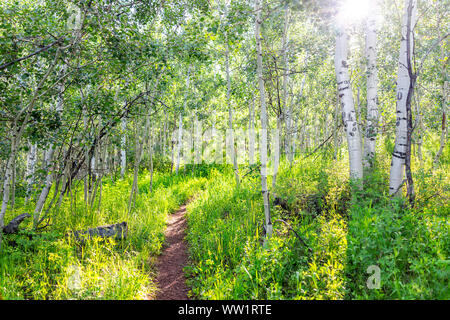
(171, 280)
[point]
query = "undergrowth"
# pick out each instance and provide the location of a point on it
(345, 236)
(47, 264)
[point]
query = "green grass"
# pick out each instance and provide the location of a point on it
(345, 236)
(47, 265)
(346, 231)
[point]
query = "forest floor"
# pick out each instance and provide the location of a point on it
(171, 279)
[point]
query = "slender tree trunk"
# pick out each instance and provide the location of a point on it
(419, 127)
(276, 151)
(348, 108)
(403, 95)
(17, 132)
(263, 143)
(137, 161)
(103, 171)
(49, 165)
(230, 114)
(163, 151)
(30, 171)
(336, 128)
(251, 132)
(123, 152)
(287, 109)
(151, 157)
(173, 140)
(180, 122)
(443, 138)
(372, 91)
(8, 178)
(294, 138)
(13, 185)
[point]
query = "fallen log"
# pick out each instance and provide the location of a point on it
(13, 225)
(118, 231)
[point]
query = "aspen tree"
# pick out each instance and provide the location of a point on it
(347, 103)
(370, 133)
(263, 135)
(403, 90)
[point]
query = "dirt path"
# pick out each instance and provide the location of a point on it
(171, 280)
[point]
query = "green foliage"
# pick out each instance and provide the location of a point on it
(229, 261)
(345, 235)
(48, 265)
(410, 246)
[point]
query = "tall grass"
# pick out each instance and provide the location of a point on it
(327, 233)
(345, 229)
(48, 265)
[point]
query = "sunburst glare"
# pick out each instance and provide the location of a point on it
(352, 11)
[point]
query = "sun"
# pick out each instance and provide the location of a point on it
(352, 11)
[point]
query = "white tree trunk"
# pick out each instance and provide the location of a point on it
(251, 132)
(123, 152)
(151, 155)
(8, 178)
(48, 156)
(230, 114)
(372, 91)
(180, 122)
(348, 107)
(287, 109)
(403, 82)
(47, 185)
(336, 128)
(164, 136)
(17, 132)
(30, 171)
(294, 138)
(444, 101)
(263, 142)
(139, 144)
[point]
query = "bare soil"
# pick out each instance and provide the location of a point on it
(171, 280)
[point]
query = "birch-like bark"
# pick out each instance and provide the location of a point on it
(230, 113)
(86, 152)
(30, 171)
(251, 132)
(444, 129)
(173, 137)
(180, 122)
(347, 103)
(348, 107)
(164, 153)
(17, 132)
(294, 138)
(419, 127)
(137, 159)
(263, 143)
(13, 185)
(123, 152)
(102, 171)
(336, 128)
(443, 139)
(48, 158)
(287, 109)
(370, 133)
(151, 154)
(8, 178)
(275, 150)
(403, 86)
